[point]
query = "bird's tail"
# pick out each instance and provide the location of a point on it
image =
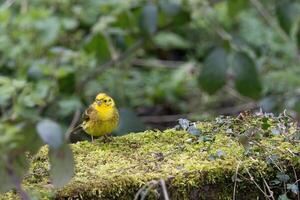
(76, 129)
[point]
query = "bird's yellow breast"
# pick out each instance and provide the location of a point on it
(102, 121)
(105, 112)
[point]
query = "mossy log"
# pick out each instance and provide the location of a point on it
(239, 158)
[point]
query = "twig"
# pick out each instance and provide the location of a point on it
(237, 95)
(164, 189)
(156, 63)
(142, 189)
(16, 181)
(264, 13)
(146, 189)
(238, 108)
(7, 4)
(265, 190)
(113, 52)
(273, 161)
(235, 177)
(290, 151)
(74, 121)
(256, 184)
(268, 187)
(296, 182)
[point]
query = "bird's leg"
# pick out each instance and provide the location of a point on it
(92, 138)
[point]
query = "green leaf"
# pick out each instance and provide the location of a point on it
(182, 18)
(172, 14)
(97, 44)
(247, 81)
(293, 188)
(193, 130)
(49, 29)
(18, 168)
(170, 40)
(69, 23)
(184, 123)
(5, 181)
(7, 90)
(20, 165)
(272, 159)
(148, 19)
(282, 176)
(35, 72)
(119, 42)
(220, 153)
(66, 80)
(283, 197)
(213, 74)
(62, 165)
(123, 20)
(235, 6)
(286, 15)
(50, 132)
(170, 8)
(30, 141)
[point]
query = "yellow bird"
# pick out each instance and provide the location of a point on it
(100, 118)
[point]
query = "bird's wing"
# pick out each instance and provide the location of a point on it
(86, 116)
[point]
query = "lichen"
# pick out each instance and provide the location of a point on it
(192, 167)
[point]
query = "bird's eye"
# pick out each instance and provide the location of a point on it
(105, 100)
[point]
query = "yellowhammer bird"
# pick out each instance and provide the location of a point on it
(100, 118)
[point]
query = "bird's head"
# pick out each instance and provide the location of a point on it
(102, 100)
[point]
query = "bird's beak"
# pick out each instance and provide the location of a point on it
(99, 103)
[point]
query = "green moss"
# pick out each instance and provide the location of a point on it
(193, 168)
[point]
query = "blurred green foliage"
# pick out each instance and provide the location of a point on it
(185, 56)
